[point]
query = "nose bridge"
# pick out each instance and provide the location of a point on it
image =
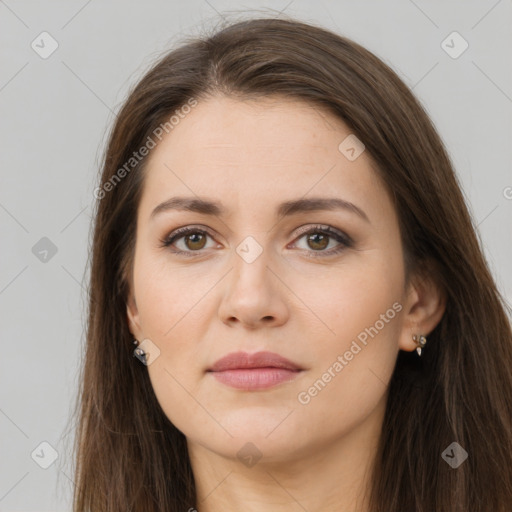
(251, 261)
(253, 294)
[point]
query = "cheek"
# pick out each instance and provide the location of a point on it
(353, 366)
(356, 356)
(169, 296)
(172, 303)
(355, 298)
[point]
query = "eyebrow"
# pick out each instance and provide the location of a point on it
(287, 208)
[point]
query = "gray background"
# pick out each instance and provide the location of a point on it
(55, 116)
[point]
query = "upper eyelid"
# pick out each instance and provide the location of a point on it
(306, 228)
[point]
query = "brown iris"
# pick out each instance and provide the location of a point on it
(195, 241)
(320, 239)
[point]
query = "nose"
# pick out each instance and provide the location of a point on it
(254, 295)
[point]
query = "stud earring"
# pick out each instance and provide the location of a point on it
(421, 341)
(139, 353)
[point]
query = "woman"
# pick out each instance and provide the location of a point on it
(280, 232)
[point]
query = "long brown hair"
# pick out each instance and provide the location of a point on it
(129, 457)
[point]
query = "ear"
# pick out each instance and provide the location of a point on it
(132, 314)
(424, 307)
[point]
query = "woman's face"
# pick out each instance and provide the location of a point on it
(253, 276)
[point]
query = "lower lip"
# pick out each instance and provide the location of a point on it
(255, 378)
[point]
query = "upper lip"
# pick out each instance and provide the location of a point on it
(241, 360)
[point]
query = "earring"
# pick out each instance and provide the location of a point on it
(139, 353)
(421, 341)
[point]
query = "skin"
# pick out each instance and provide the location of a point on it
(251, 156)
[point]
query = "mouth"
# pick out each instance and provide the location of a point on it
(261, 370)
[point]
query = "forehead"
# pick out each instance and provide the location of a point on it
(221, 124)
(253, 150)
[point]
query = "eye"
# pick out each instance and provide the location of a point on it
(318, 238)
(193, 238)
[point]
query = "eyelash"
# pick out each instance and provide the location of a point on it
(339, 236)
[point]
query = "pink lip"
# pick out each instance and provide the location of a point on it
(244, 360)
(261, 370)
